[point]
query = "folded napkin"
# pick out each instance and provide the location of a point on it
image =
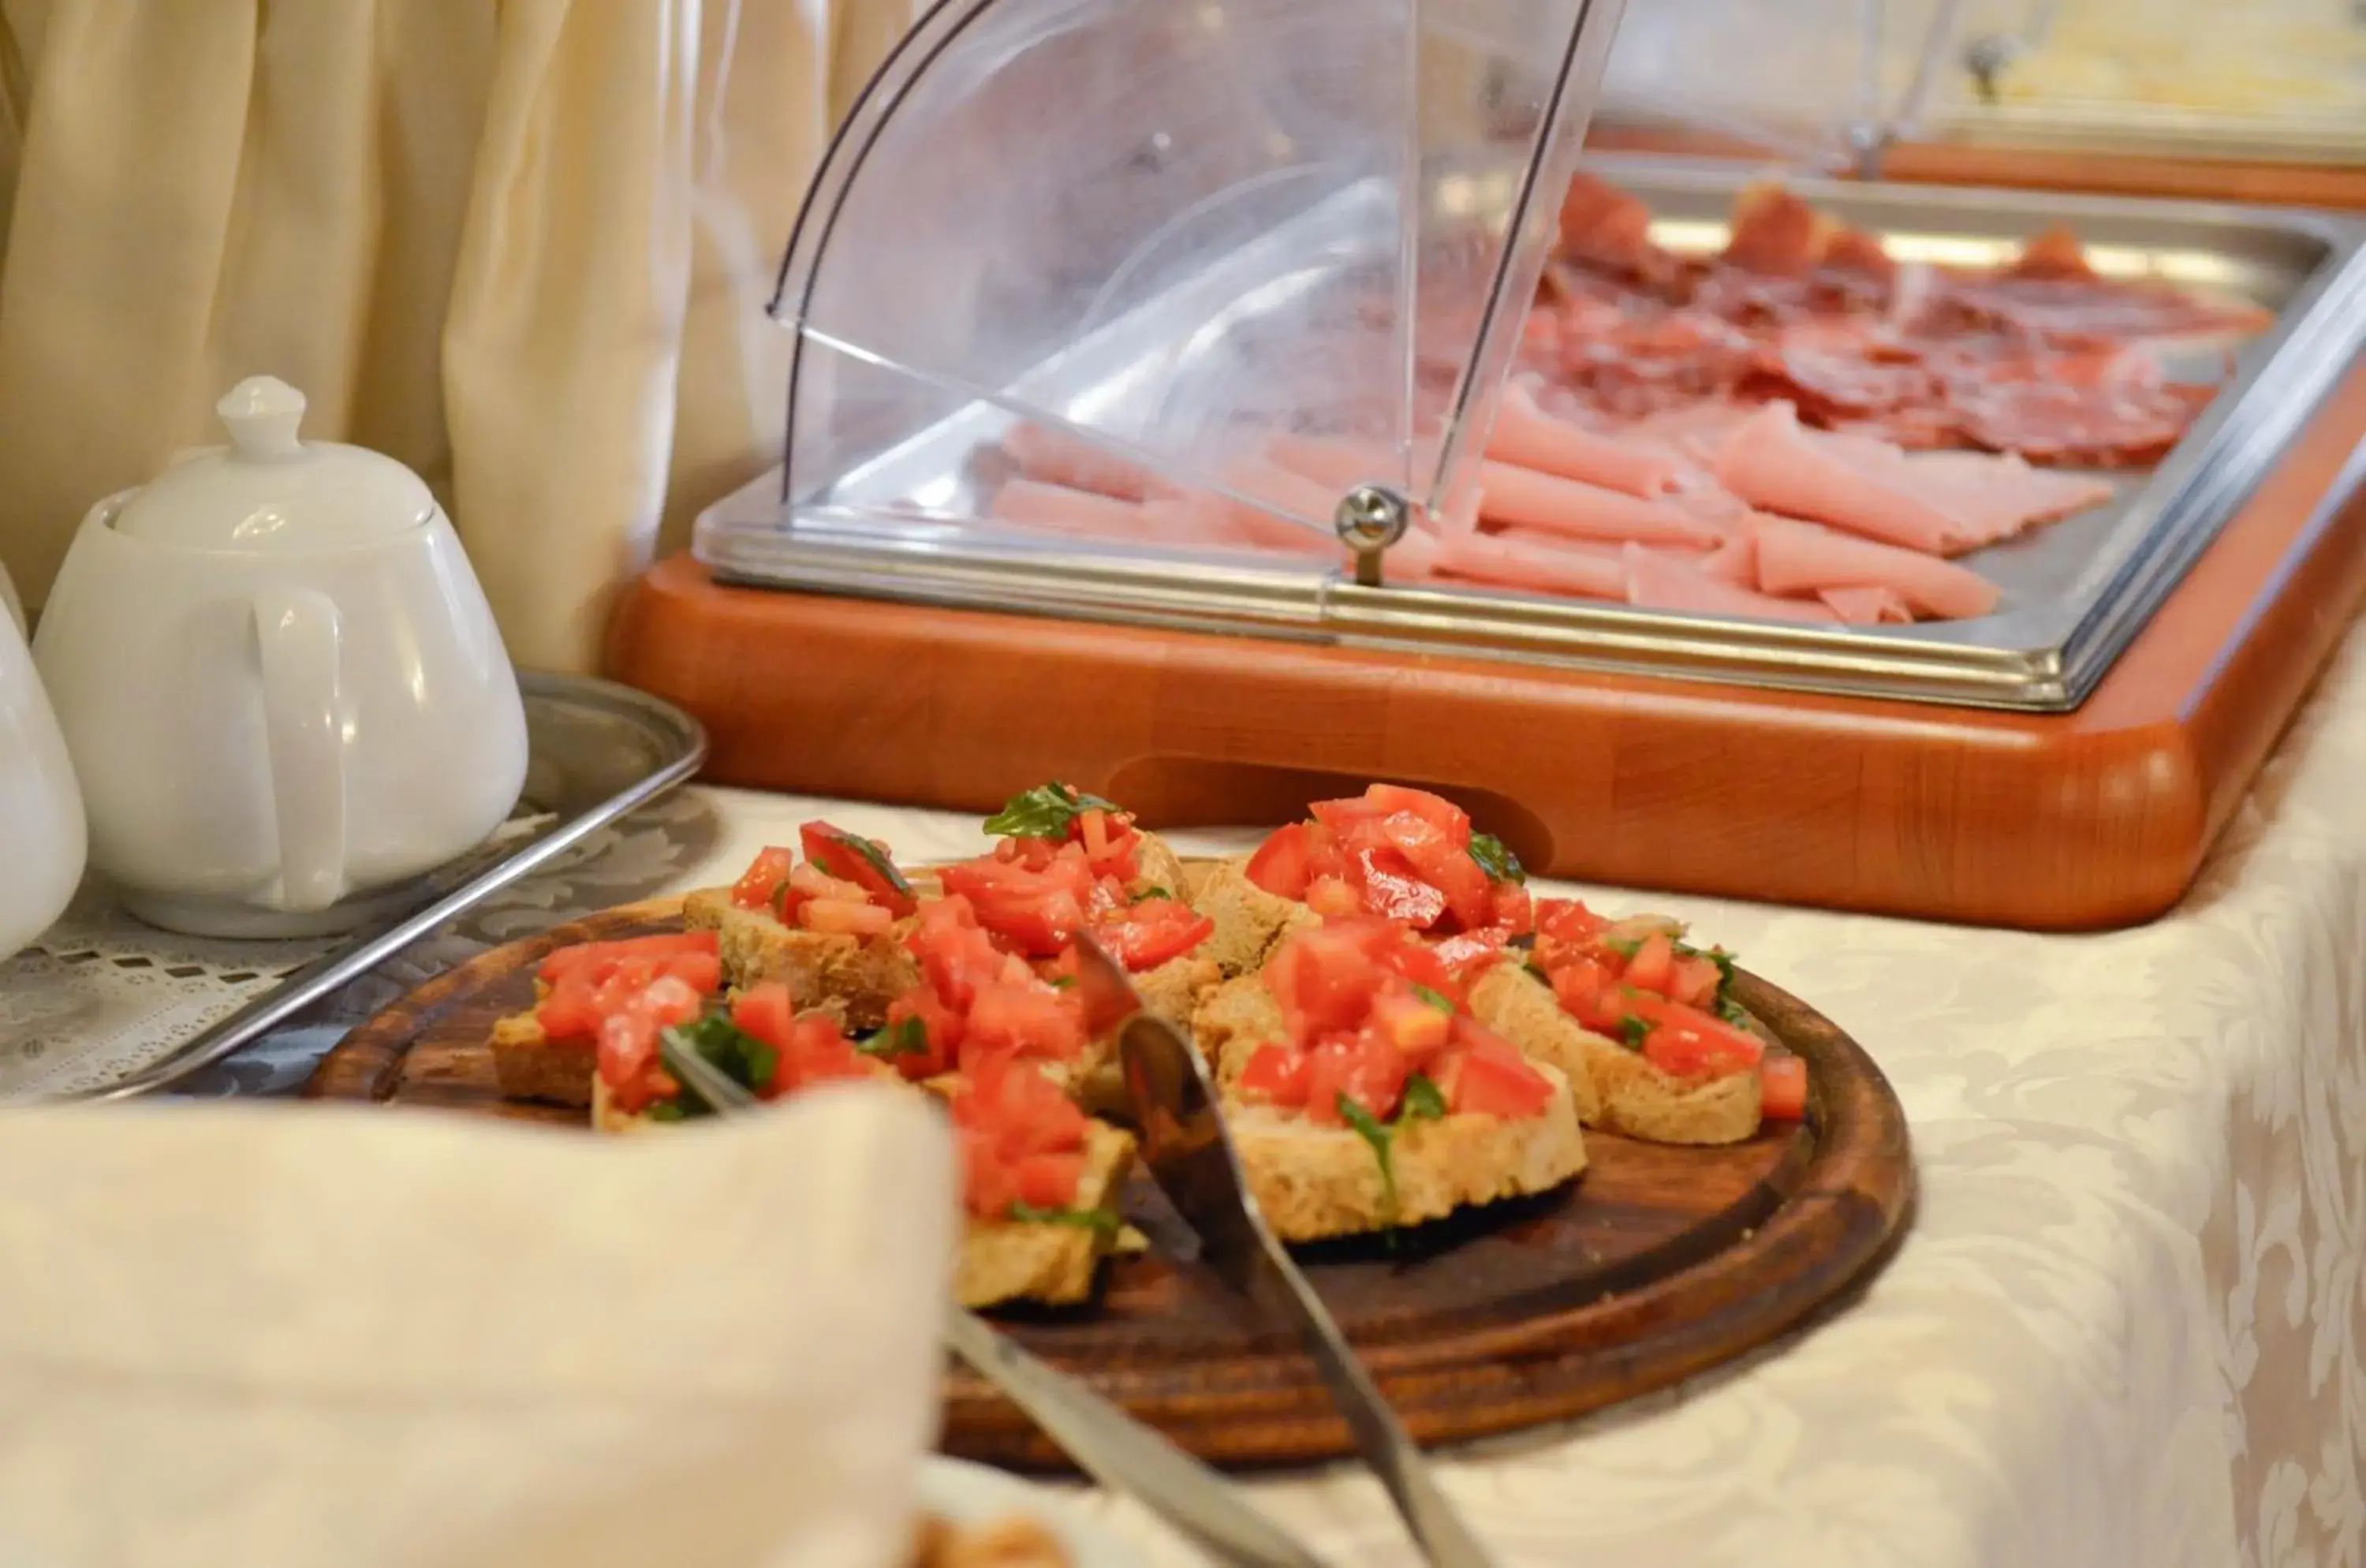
(297, 1336)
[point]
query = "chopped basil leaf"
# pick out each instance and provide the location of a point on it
(904, 1037)
(1533, 967)
(1624, 949)
(1375, 1132)
(669, 1111)
(1147, 894)
(1524, 942)
(1047, 811)
(1496, 858)
(1731, 1011)
(1423, 1100)
(1099, 1221)
(1438, 999)
(1634, 1031)
(730, 1050)
(875, 854)
(1060, 982)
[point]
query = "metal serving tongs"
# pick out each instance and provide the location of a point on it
(1107, 1444)
(1190, 1155)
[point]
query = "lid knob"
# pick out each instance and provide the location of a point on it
(261, 414)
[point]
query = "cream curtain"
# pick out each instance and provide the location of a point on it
(523, 245)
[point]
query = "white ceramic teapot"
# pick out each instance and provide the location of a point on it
(41, 813)
(280, 681)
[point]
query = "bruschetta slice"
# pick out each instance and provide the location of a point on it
(827, 927)
(1644, 1019)
(1374, 1099)
(549, 1052)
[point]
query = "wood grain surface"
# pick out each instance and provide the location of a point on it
(1658, 1264)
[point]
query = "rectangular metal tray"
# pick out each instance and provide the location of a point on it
(2075, 593)
(595, 752)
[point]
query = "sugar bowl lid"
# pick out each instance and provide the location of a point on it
(269, 491)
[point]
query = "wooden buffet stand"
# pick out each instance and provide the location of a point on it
(2091, 818)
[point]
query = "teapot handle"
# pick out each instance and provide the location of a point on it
(304, 712)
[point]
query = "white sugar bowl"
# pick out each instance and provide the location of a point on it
(280, 682)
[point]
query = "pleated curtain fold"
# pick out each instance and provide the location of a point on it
(523, 245)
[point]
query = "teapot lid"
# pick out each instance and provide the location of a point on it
(269, 491)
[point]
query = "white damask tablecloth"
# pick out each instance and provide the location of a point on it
(2126, 1328)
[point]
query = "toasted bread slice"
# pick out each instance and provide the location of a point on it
(1158, 866)
(529, 1065)
(1313, 1181)
(1249, 920)
(1003, 1260)
(1240, 1011)
(856, 976)
(1617, 1090)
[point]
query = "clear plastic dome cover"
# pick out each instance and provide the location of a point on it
(1176, 276)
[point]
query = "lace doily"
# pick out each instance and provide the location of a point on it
(102, 997)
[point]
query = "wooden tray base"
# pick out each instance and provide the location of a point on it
(1658, 1264)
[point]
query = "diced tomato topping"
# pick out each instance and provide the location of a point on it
(1024, 1021)
(628, 1034)
(1283, 865)
(1589, 992)
(760, 886)
(601, 958)
(1468, 954)
(1037, 911)
(940, 1034)
(1782, 1088)
(1394, 891)
(956, 953)
(1155, 931)
(1021, 1140)
(1444, 865)
(1490, 1077)
(1365, 1005)
(591, 983)
(865, 863)
(811, 1049)
(1510, 909)
(1686, 1043)
(1275, 1073)
(1653, 968)
(1694, 981)
(1566, 923)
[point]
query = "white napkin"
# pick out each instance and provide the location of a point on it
(298, 1336)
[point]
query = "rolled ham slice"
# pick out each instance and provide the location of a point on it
(1656, 582)
(1799, 557)
(1524, 498)
(1051, 456)
(1540, 566)
(1868, 606)
(1527, 435)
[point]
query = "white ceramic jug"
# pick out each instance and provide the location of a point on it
(41, 838)
(280, 681)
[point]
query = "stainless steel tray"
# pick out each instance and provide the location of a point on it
(2075, 593)
(596, 751)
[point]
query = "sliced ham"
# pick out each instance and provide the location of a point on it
(1527, 435)
(1937, 503)
(1799, 557)
(1538, 565)
(1655, 582)
(1053, 457)
(1868, 606)
(1057, 509)
(1525, 497)
(1736, 560)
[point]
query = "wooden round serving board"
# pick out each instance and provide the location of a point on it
(1656, 1264)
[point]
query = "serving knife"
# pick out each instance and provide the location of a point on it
(1190, 1155)
(1107, 1444)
